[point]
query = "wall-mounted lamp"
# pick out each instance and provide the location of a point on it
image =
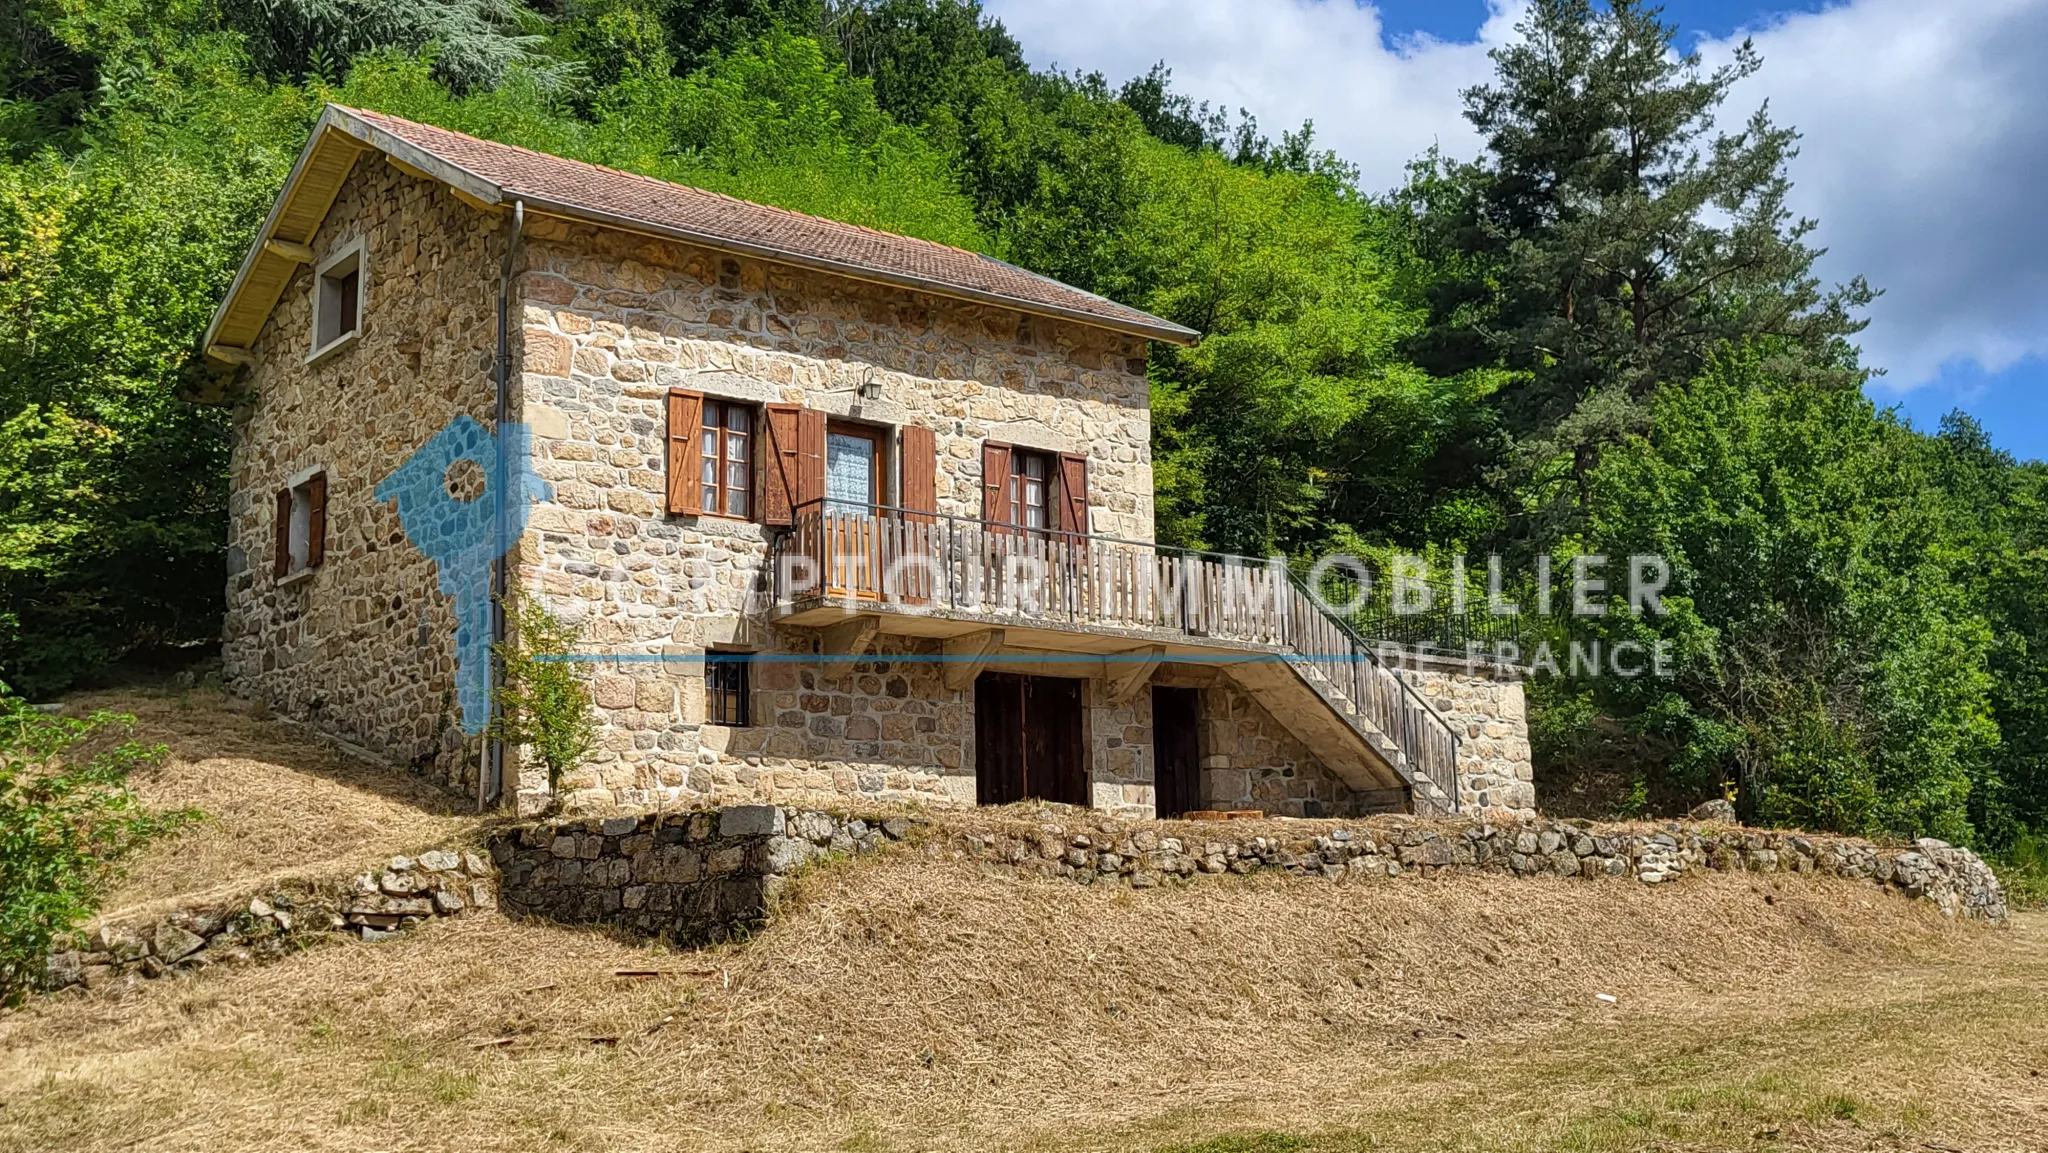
(870, 387)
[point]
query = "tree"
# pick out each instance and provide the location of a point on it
(113, 252)
(542, 703)
(1296, 424)
(67, 821)
(1827, 654)
(2000, 521)
(1604, 244)
(776, 121)
(474, 43)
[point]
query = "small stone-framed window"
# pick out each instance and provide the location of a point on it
(339, 293)
(301, 526)
(727, 681)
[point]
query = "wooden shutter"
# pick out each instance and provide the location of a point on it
(1073, 493)
(810, 457)
(685, 452)
(920, 472)
(284, 532)
(779, 463)
(316, 520)
(995, 482)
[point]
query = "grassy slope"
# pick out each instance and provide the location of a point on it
(274, 801)
(913, 1003)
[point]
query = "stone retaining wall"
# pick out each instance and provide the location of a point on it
(685, 877)
(408, 890)
(701, 876)
(271, 920)
(1955, 879)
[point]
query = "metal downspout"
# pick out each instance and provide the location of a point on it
(491, 777)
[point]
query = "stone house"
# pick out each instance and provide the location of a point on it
(838, 514)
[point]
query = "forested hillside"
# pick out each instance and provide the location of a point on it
(1600, 335)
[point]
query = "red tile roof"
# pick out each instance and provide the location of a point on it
(605, 195)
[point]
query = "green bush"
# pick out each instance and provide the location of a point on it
(542, 703)
(2023, 869)
(67, 820)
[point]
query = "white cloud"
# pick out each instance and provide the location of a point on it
(1925, 125)
(1284, 60)
(1924, 155)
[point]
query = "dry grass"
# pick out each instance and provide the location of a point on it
(275, 801)
(912, 1003)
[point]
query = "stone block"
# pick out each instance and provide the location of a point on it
(751, 821)
(612, 691)
(440, 861)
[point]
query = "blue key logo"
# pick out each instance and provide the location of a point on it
(459, 535)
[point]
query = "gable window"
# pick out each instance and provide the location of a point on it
(338, 299)
(725, 688)
(301, 525)
(728, 461)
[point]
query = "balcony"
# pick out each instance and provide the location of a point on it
(857, 571)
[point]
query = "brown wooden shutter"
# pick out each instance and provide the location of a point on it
(1073, 493)
(284, 532)
(316, 520)
(810, 458)
(920, 472)
(995, 482)
(779, 485)
(685, 452)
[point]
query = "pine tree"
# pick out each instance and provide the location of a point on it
(1610, 238)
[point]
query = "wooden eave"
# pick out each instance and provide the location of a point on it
(285, 240)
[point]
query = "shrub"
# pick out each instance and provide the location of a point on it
(67, 821)
(542, 703)
(2023, 869)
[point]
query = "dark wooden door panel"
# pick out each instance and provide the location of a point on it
(1176, 749)
(1029, 739)
(1055, 767)
(998, 738)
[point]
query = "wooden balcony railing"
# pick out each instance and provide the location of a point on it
(897, 560)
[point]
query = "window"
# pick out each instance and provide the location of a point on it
(727, 458)
(1034, 490)
(1031, 476)
(853, 469)
(725, 688)
(301, 525)
(338, 298)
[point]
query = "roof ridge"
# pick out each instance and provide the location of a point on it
(601, 193)
(656, 180)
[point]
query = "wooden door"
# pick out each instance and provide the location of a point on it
(998, 738)
(1028, 740)
(1176, 749)
(1055, 767)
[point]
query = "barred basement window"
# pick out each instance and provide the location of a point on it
(725, 688)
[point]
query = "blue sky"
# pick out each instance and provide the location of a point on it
(1925, 140)
(1460, 19)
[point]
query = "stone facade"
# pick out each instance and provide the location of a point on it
(605, 324)
(1486, 706)
(363, 645)
(612, 323)
(1250, 761)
